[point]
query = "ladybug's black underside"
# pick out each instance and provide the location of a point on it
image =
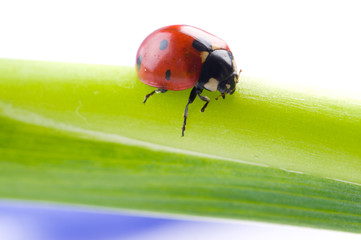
(218, 66)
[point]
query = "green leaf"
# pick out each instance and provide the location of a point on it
(79, 133)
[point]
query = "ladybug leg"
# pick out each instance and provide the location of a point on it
(203, 98)
(148, 95)
(192, 96)
(158, 90)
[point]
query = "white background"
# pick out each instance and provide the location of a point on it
(309, 43)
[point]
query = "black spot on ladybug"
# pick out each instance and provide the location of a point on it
(202, 45)
(167, 74)
(163, 44)
(139, 62)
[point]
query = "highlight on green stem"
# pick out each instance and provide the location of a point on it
(79, 133)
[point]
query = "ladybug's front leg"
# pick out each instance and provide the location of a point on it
(191, 98)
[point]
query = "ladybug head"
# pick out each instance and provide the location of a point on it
(231, 82)
(227, 83)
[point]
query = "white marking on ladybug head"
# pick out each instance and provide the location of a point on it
(215, 47)
(228, 86)
(204, 55)
(211, 85)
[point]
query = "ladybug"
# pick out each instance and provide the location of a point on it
(179, 57)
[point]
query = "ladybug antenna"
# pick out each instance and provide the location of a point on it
(239, 75)
(223, 95)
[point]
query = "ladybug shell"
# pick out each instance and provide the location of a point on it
(168, 58)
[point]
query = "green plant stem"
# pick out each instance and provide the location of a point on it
(80, 133)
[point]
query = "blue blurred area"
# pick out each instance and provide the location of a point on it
(45, 221)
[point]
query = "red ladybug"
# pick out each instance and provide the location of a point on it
(179, 57)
